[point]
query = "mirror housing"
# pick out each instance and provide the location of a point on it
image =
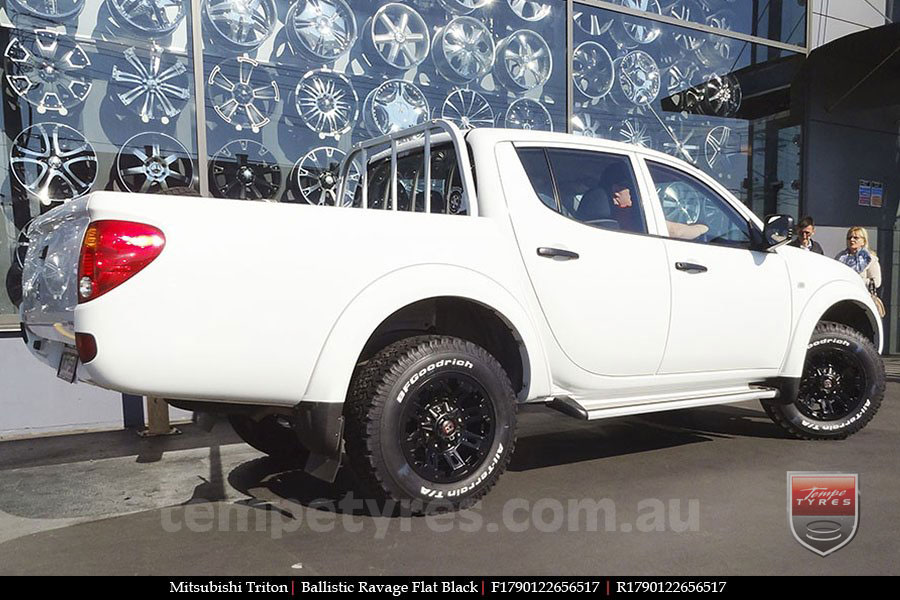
(778, 231)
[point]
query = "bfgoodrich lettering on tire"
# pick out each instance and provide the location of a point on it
(841, 387)
(431, 422)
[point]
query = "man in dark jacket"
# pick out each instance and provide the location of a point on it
(806, 228)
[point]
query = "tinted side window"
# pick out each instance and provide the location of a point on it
(597, 189)
(534, 160)
(694, 211)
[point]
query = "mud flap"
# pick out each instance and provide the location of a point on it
(320, 428)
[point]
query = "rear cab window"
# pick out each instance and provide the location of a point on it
(596, 188)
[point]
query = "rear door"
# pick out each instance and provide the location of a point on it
(602, 282)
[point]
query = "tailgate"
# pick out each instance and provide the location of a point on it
(50, 272)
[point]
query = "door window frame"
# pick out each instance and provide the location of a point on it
(753, 221)
(650, 216)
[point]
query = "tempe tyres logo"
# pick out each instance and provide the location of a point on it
(823, 509)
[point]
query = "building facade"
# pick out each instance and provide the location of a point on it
(260, 99)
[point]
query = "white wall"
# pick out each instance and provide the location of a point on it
(836, 18)
(33, 401)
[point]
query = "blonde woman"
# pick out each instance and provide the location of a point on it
(860, 258)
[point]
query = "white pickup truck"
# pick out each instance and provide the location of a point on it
(403, 329)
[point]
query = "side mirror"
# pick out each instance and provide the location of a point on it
(779, 230)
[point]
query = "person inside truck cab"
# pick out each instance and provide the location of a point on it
(628, 216)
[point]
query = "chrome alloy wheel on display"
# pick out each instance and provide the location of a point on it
(529, 10)
(690, 11)
(719, 51)
(53, 162)
(321, 29)
(243, 95)
(399, 36)
(592, 70)
(630, 32)
(157, 89)
(463, 50)
(593, 23)
(632, 131)
(317, 174)
(523, 61)
(327, 103)
(467, 109)
(394, 105)
(587, 126)
(47, 71)
(151, 17)
(154, 162)
(721, 96)
(245, 170)
(245, 24)
(722, 144)
(682, 141)
(681, 202)
(528, 114)
(463, 7)
(55, 10)
(639, 77)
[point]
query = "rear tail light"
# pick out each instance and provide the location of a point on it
(112, 252)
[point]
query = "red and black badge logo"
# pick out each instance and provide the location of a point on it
(823, 509)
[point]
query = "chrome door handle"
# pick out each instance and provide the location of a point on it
(557, 253)
(690, 267)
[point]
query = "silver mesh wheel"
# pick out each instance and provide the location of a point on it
(321, 29)
(395, 105)
(464, 50)
(530, 10)
(593, 71)
(245, 170)
(316, 177)
(154, 162)
(528, 114)
(55, 10)
(639, 77)
(53, 162)
(48, 72)
(154, 88)
(245, 24)
(399, 35)
(242, 94)
(327, 103)
(467, 109)
(152, 17)
(523, 61)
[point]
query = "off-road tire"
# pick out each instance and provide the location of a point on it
(271, 436)
(834, 343)
(399, 383)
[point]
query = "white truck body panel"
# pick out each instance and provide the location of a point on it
(271, 304)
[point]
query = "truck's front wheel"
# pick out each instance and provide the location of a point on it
(841, 387)
(431, 423)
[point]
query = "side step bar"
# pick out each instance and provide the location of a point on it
(600, 409)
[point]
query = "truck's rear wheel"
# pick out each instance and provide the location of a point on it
(273, 435)
(841, 387)
(431, 423)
